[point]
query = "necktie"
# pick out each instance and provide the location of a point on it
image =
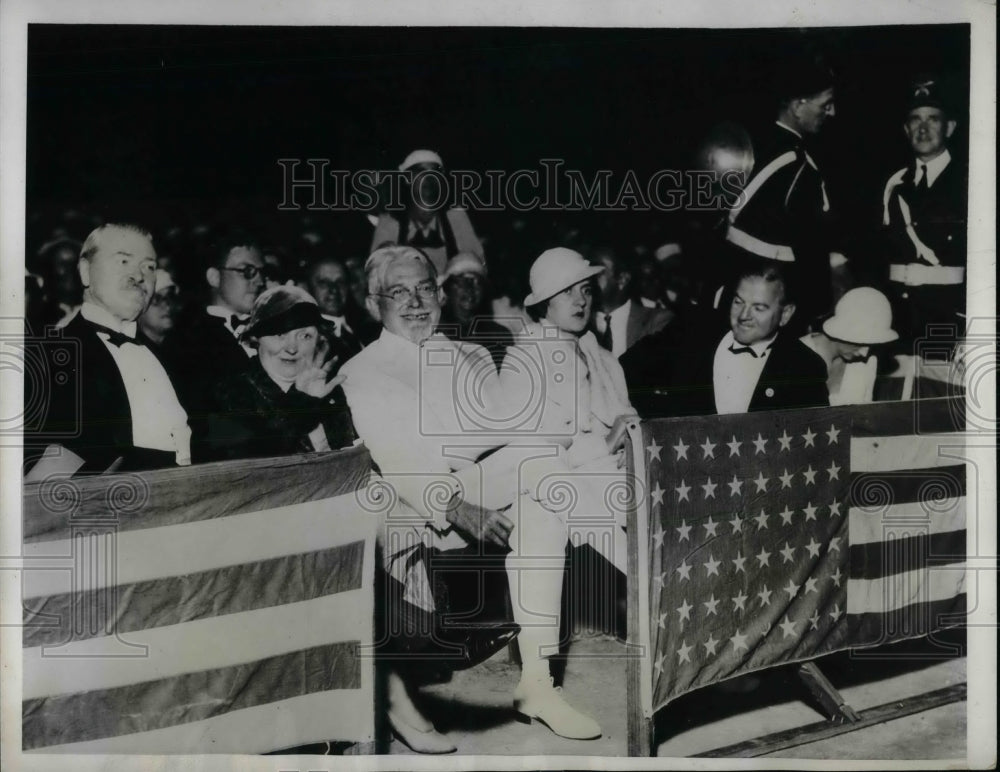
(742, 350)
(350, 341)
(116, 338)
(606, 339)
(922, 184)
(237, 322)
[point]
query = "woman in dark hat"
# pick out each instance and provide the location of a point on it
(282, 404)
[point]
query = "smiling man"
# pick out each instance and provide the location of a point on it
(924, 217)
(757, 365)
(118, 408)
(431, 411)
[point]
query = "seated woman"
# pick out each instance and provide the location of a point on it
(558, 371)
(862, 318)
(282, 404)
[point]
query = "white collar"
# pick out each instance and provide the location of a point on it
(400, 343)
(98, 315)
(622, 310)
(222, 312)
(760, 348)
(935, 166)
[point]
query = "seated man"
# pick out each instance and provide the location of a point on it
(327, 280)
(755, 366)
(620, 322)
(206, 346)
(425, 407)
(125, 414)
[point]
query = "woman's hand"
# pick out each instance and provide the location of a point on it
(312, 380)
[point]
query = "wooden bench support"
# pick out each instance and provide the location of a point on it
(762, 746)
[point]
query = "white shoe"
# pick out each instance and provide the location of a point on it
(539, 699)
(419, 740)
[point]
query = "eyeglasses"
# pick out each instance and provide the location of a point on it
(249, 272)
(425, 290)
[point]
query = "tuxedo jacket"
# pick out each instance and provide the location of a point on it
(667, 377)
(83, 406)
(200, 354)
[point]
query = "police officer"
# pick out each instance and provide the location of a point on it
(784, 210)
(924, 219)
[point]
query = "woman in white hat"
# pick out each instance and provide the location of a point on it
(568, 388)
(862, 318)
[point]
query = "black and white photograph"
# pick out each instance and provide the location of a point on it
(548, 387)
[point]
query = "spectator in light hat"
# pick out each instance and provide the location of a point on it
(558, 370)
(465, 316)
(862, 318)
(429, 221)
(585, 394)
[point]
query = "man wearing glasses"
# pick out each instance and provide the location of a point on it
(207, 345)
(432, 412)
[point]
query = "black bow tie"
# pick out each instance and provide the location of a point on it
(742, 350)
(116, 338)
(236, 321)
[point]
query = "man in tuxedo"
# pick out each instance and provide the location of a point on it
(328, 282)
(118, 409)
(207, 347)
(924, 207)
(619, 321)
(756, 365)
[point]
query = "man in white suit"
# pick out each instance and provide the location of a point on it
(428, 408)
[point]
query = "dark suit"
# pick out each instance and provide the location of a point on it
(342, 346)
(359, 320)
(667, 377)
(644, 321)
(88, 412)
(200, 354)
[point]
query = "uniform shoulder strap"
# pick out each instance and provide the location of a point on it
(894, 181)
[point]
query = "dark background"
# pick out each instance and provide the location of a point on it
(188, 122)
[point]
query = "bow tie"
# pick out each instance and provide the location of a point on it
(733, 348)
(236, 321)
(116, 338)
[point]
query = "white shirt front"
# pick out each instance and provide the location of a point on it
(158, 420)
(226, 315)
(934, 168)
(735, 375)
(619, 327)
